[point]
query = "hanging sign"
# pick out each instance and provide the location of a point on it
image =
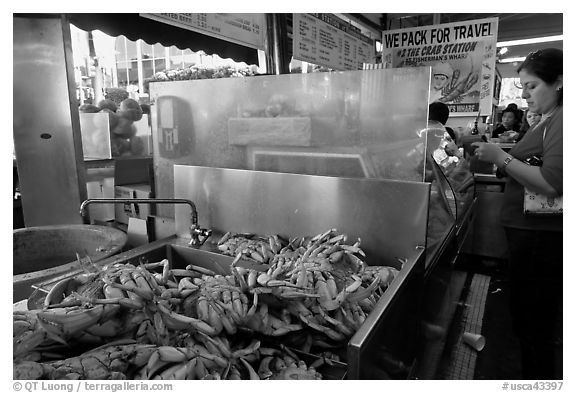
(244, 29)
(462, 56)
(327, 40)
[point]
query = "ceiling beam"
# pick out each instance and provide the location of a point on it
(376, 28)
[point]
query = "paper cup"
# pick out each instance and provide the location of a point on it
(476, 341)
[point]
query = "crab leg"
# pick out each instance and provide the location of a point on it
(201, 270)
(334, 335)
(66, 322)
(179, 321)
(143, 293)
(365, 292)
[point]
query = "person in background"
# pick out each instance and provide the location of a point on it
(517, 112)
(529, 119)
(439, 112)
(512, 106)
(535, 241)
(509, 123)
(533, 118)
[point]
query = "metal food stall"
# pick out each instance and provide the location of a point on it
(295, 155)
(217, 143)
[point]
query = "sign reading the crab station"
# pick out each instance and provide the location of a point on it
(462, 56)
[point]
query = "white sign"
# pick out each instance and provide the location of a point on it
(327, 40)
(244, 29)
(462, 56)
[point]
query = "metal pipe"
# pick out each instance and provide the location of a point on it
(277, 61)
(153, 201)
(198, 235)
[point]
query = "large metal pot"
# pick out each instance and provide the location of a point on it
(47, 251)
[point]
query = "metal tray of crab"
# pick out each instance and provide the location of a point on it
(174, 296)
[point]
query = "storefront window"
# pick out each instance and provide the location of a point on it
(131, 65)
(147, 50)
(148, 68)
(159, 51)
(131, 51)
(122, 73)
(189, 58)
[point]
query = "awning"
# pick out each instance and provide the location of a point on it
(135, 27)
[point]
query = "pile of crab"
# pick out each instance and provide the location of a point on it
(154, 321)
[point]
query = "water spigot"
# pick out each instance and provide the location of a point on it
(198, 235)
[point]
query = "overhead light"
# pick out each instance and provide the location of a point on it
(512, 60)
(503, 50)
(530, 41)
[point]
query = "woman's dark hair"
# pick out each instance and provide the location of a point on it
(546, 64)
(524, 125)
(451, 132)
(511, 110)
(438, 111)
(145, 108)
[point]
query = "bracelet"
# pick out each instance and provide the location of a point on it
(507, 161)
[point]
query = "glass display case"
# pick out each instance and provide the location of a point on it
(347, 124)
(97, 143)
(452, 189)
(95, 129)
(360, 124)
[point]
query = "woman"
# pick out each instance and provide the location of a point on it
(529, 119)
(535, 242)
(509, 123)
(532, 118)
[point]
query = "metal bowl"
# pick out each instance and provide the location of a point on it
(46, 251)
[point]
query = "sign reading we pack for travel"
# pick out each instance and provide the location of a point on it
(462, 56)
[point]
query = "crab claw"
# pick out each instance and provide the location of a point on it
(29, 370)
(253, 374)
(177, 321)
(237, 275)
(61, 290)
(363, 293)
(298, 372)
(68, 322)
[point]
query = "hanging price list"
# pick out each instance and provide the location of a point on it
(244, 29)
(326, 40)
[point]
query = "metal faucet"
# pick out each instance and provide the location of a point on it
(198, 235)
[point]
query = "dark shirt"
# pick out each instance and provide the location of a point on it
(500, 129)
(512, 213)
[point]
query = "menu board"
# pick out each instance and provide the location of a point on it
(244, 29)
(327, 40)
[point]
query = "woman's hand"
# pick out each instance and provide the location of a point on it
(529, 176)
(452, 150)
(489, 152)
